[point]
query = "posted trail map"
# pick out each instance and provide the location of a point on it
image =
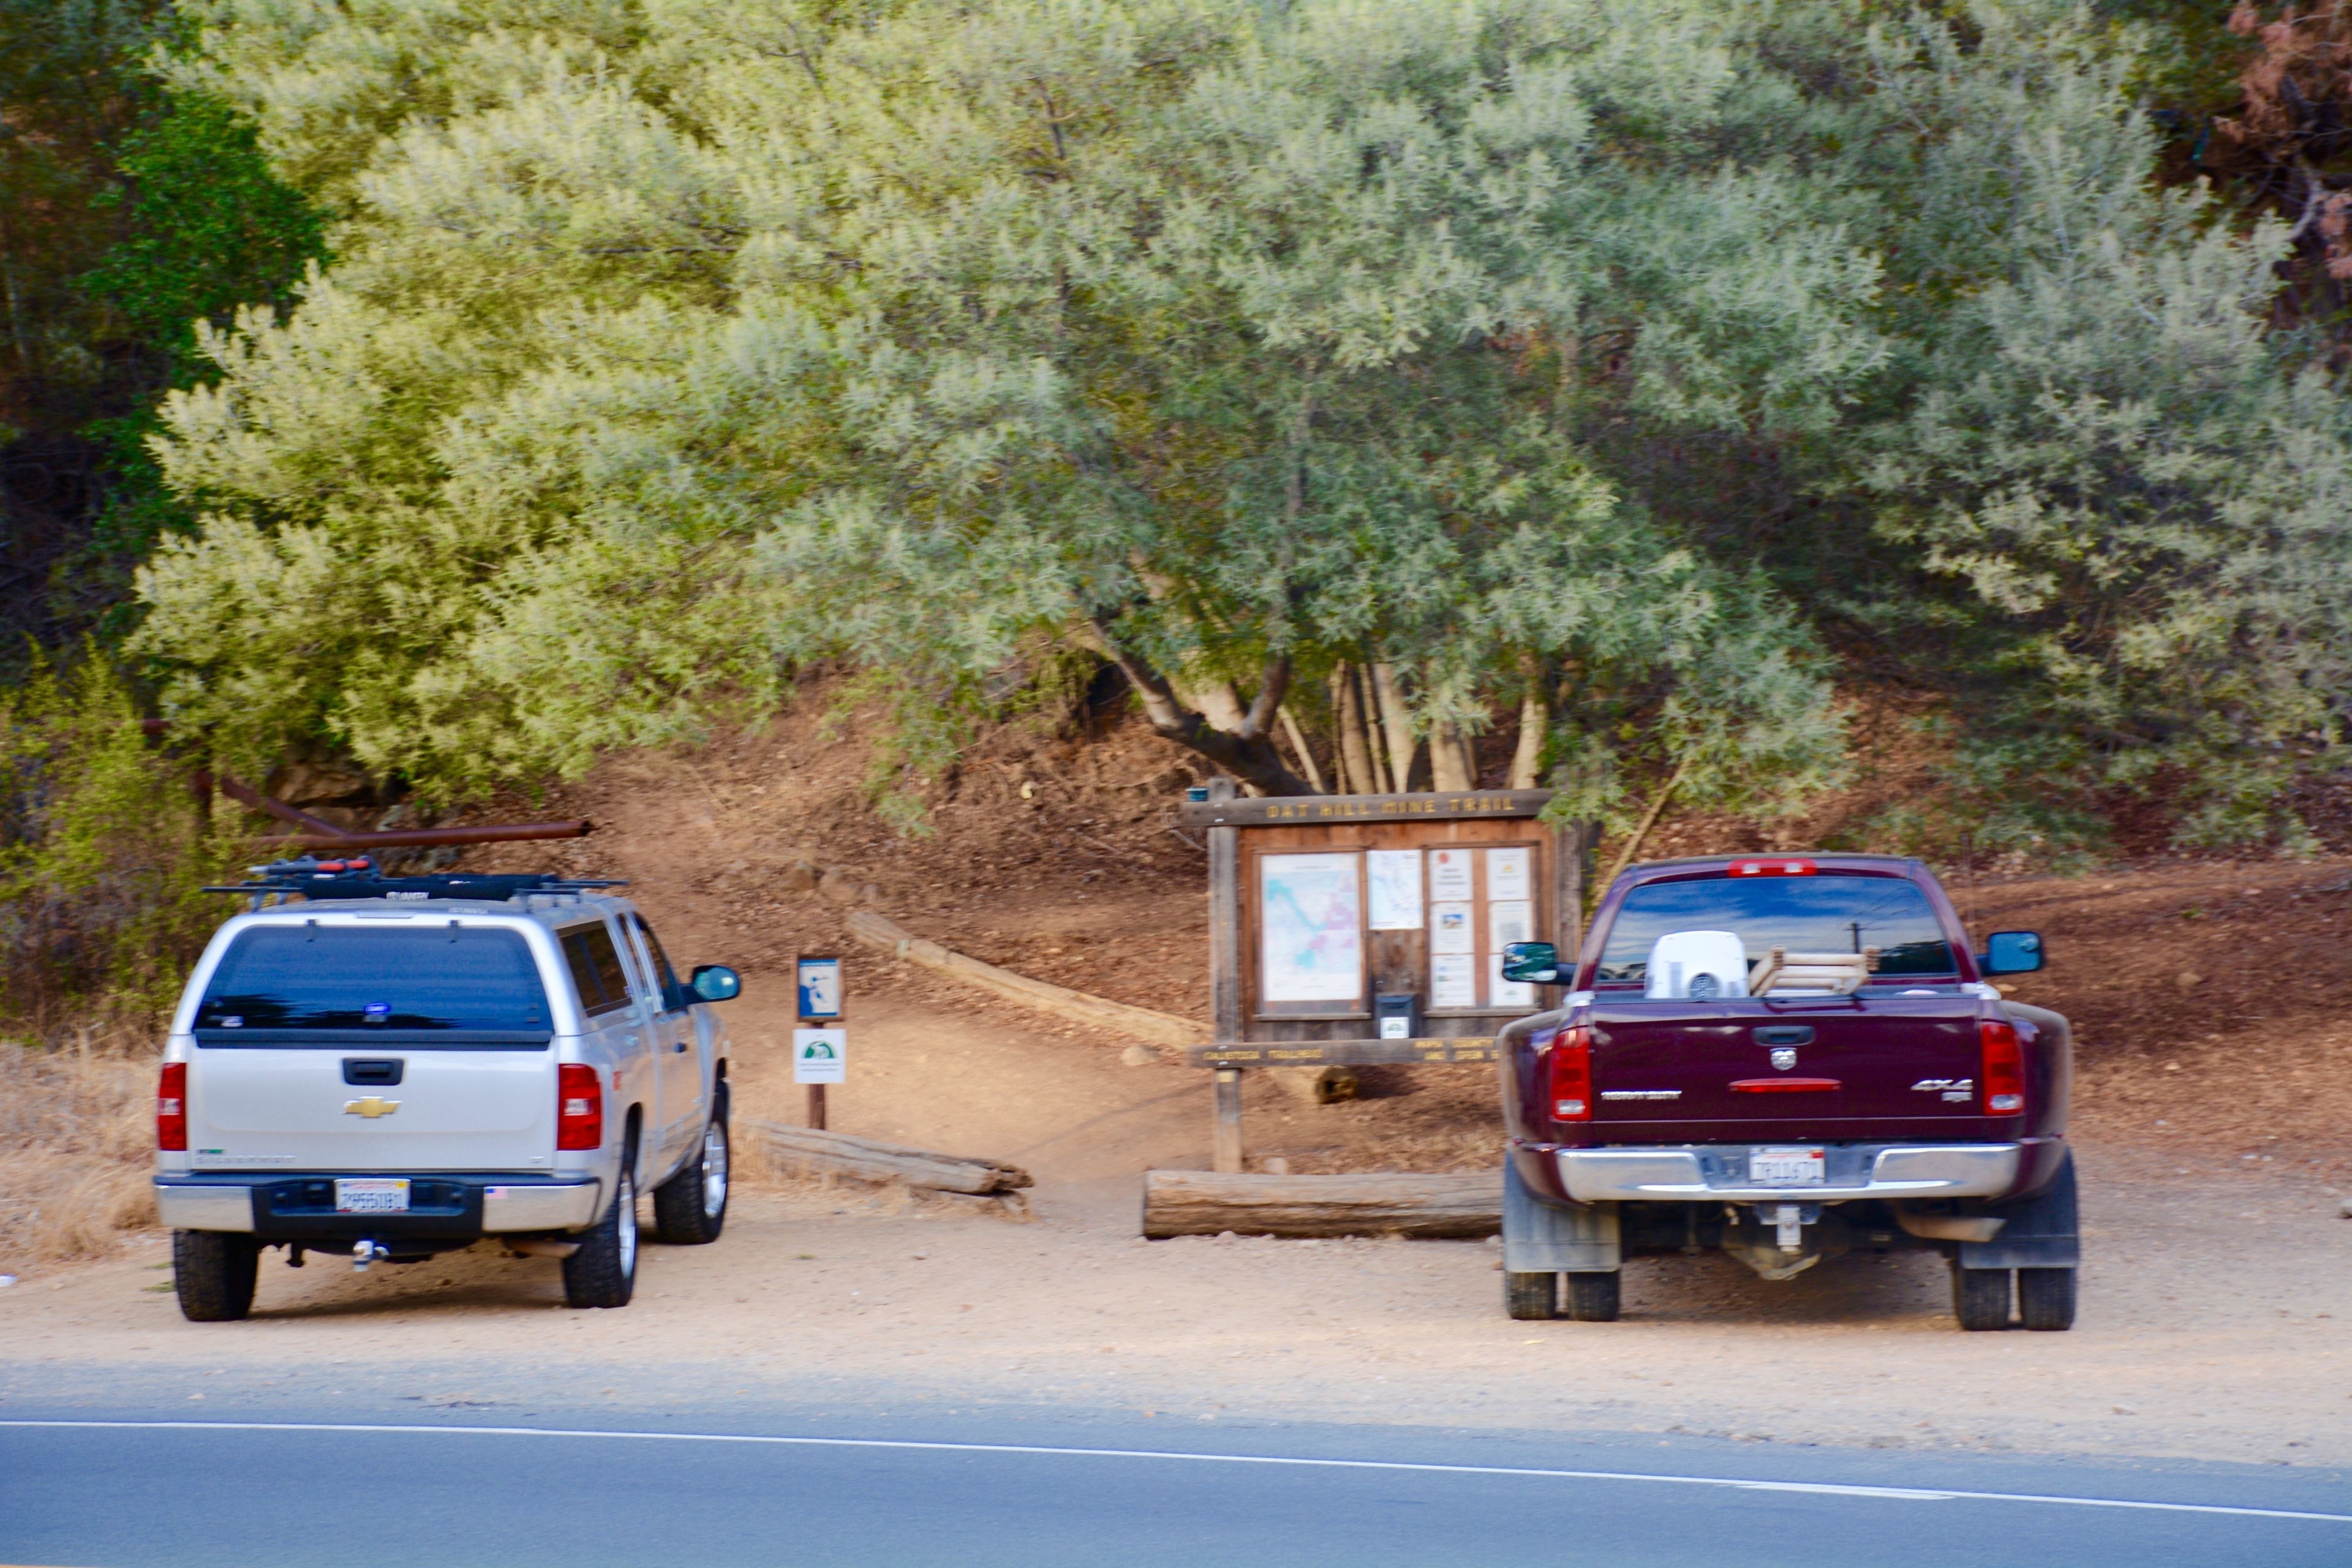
(1310, 935)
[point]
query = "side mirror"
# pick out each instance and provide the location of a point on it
(2012, 952)
(717, 983)
(1532, 962)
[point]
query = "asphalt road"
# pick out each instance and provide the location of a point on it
(124, 1490)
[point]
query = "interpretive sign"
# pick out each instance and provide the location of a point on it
(820, 1055)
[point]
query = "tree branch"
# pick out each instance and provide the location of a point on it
(1249, 754)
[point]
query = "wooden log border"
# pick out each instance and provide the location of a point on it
(870, 1160)
(1434, 1206)
(1161, 1029)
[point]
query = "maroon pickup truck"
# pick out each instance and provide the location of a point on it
(1788, 1058)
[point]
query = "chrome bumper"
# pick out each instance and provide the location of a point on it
(525, 1206)
(187, 1206)
(1717, 1174)
(541, 1207)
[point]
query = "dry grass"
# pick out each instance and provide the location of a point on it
(77, 1142)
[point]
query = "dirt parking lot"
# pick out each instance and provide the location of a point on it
(2216, 1308)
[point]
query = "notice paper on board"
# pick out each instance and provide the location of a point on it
(1510, 874)
(1394, 883)
(1453, 980)
(1451, 928)
(1449, 874)
(1311, 929)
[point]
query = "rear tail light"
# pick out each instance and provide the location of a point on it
(1568, 1076)
(2001, 1080)
(1774, 865)
(172, 1108)
(579, 1107)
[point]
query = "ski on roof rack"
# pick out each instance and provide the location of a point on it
(356, 877)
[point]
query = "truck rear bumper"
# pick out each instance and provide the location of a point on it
(1716, 1173)
(294, 1207)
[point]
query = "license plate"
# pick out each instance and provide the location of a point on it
(372, 1194)
(1787, 1167)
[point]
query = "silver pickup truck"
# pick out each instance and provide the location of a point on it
(389, 1067)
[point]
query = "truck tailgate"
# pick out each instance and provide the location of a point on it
(290, 1108)
(1828, 1068)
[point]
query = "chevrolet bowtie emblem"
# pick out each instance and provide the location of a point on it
(371, 1107)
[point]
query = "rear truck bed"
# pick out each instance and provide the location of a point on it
(1918, 1109)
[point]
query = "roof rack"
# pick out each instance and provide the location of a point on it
(356, 877)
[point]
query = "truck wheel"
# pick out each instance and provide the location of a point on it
(1980, 1297)
(2045, 1299)
(691, 1208)
(603, 1273)
(1592, 1296)
(214, 1272)
(1531, 1297)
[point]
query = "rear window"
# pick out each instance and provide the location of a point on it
(430, 979)
(1823, 913)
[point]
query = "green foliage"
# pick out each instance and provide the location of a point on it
(127, 213)
(206, 228)
(672, 344)
(102, 849)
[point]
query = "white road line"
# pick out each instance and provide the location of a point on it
(1912, 1494)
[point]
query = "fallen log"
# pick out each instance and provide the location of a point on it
(1164, 1028)
(867, 1160)
(1206, 1203)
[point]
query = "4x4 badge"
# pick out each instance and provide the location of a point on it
(1784, 1058)
(371, 1107)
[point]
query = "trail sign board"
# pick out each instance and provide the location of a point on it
(819, 981)
(1362, 930)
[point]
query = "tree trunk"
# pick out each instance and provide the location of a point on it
(1450, 764)
(1306, 753)
(1355, 758)
(1535, 726)
(1203, 1203)
(1396, 722)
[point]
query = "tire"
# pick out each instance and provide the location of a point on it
(1980, 1297)
(2045, 1299)
(213, 1273)
(691, 1208)
(1592, 1296)
(603, 1273)
(1531, 1297)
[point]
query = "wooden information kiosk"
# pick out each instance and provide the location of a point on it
(1369, 929)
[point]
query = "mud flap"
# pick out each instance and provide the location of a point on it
(2042, 1232)
(1546, 1238)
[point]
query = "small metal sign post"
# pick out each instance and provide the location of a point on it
(820, 1048)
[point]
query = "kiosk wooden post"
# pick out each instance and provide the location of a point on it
(1479, 859)
(1225, 975)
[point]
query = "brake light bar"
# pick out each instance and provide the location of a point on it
(1776, 866)
(579, 1107)
(2002, 1081)
(1568, 1076)
(172, 1108)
